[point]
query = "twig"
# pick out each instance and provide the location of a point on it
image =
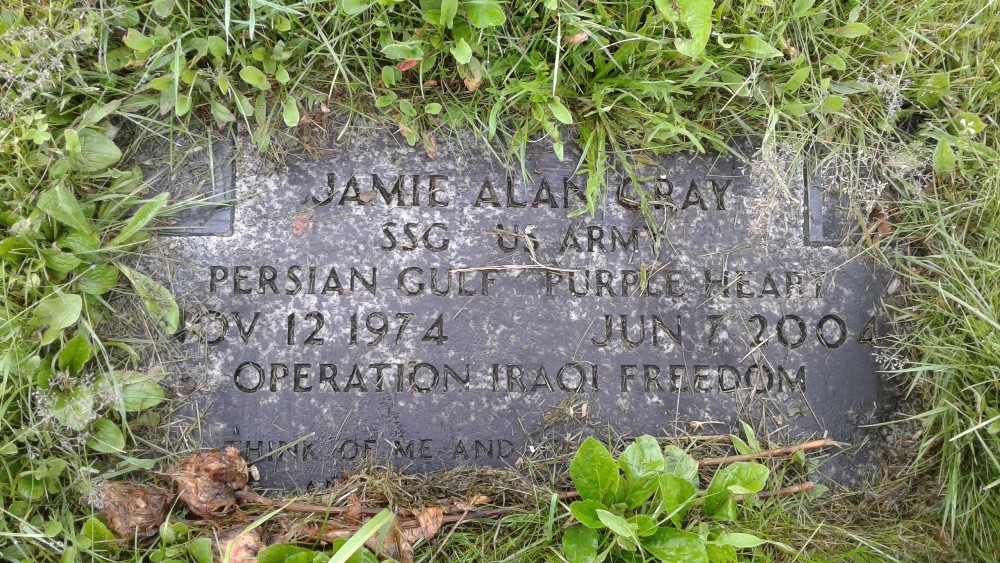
(250, 496)
(783, 491)
(777, 452)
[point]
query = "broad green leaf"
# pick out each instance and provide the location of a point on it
(560, 112)
(641, 458)
(96, 531)
(484, 13)
(677, 495)
(797, 80)
(217, 46)
(739, 84)
(718, 553)
(72, 139)
(389, 75)
(75, 353)
(255, 77)
(159, 303)
(59, 203)
(407, 50)
(638, 490)
(644, 525)
(355, 7)
(243, 104)
(677, 462)
(448, 10)
(163, 7)
(141, 395)
(106, 437)
(758, 48)
(97, 152)
(142, 217)
(290, 112)
(934, 88)
(586, 512)
(10, 448)
(800, 7)
(944, 158)
(137, 41)
(55, 313)
(221, 113)
(739, 540)
(617, 524)
(98, 279)
(667, 9)
(406, 106)
(739, 445)
(580, 544)
(834, 103)
(183, 105)
(30, 487)
(696, 15)
(161, 83)
(851, 30)
(673, 545)
(58, 261)
(835, 62)
(279, 553)
(745, 477)
(595, 473)
(848, 88)
(433, 108)
(462, 52)
(281, 75)
(201, 550)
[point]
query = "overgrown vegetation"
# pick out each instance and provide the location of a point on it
(899, 98)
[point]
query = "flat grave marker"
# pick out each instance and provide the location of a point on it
(375, 304)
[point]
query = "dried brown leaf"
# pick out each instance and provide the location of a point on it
(237, 545)
(407, 65)
(395, 546)
(429, 521)
(131, 508)
(473, 502)
(207, 480)
(576, 38)
(353, 508)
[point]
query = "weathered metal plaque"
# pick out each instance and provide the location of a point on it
(375, 304)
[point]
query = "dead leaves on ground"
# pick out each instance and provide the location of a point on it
(212, 483)
(238, 545)
(207, 480)
(132, 508)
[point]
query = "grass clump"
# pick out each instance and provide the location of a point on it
(900, 98)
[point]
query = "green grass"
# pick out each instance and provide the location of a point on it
(901, 97)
